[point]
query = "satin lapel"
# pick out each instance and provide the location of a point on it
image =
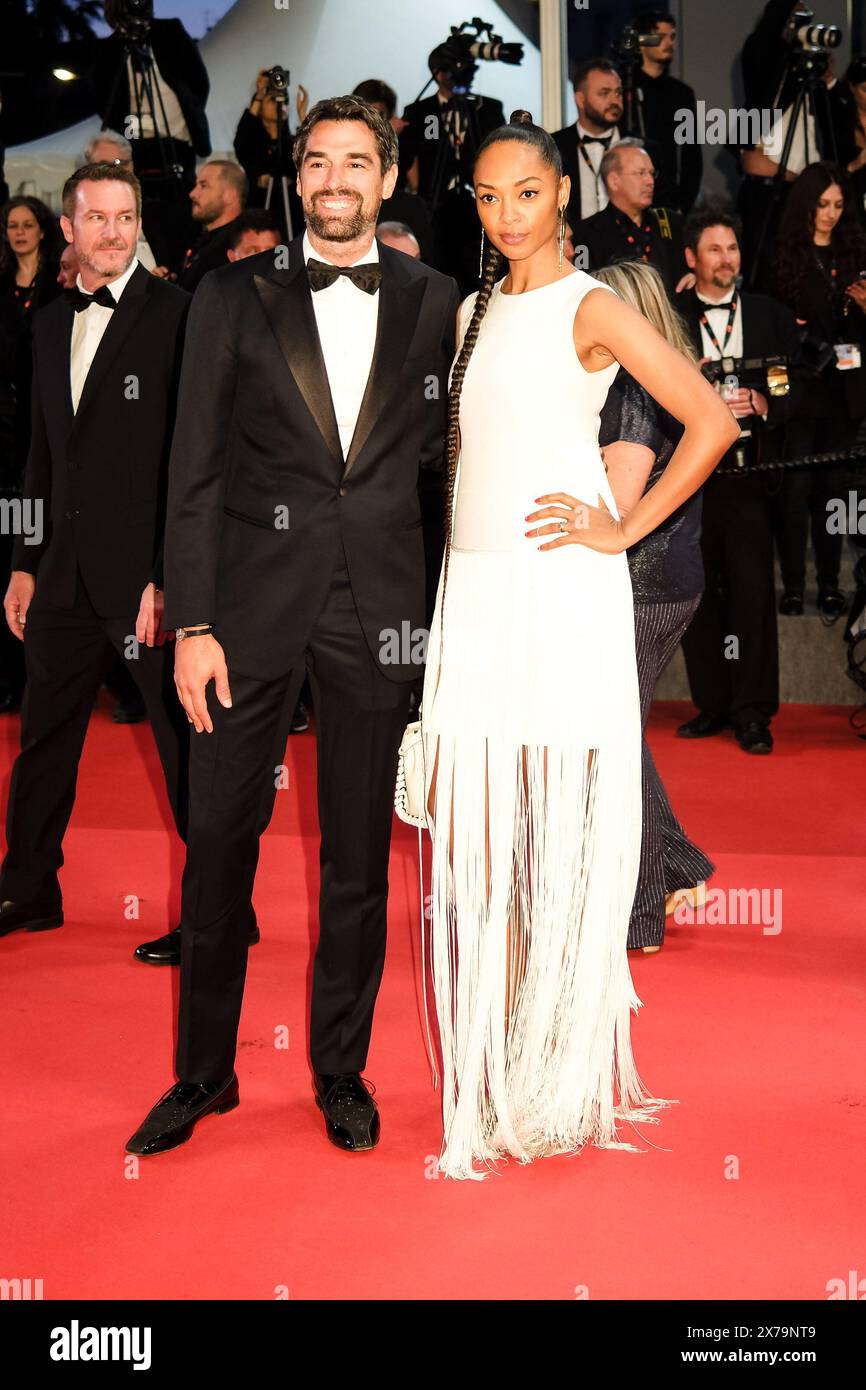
(399, 305)
(288, 306)
(123, 320)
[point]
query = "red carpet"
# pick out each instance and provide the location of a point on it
(751, 1187)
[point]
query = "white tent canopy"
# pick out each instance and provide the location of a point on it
(327, 45)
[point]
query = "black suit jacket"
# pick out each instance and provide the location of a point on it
(180, 63)
(257, 445)
(101, 472)
(605, 244)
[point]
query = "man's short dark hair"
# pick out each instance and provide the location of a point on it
(698, 221)
(582, 71)
(98, 173)
(373, 90)
(254, 220)
(648, 20)
(349, 108)
(232, 174)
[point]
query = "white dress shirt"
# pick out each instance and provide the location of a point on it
(593, 194)
(87, 329)
(347, 319)
(718, 315)
(177, 127)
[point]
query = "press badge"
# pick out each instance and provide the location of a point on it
(847, 356)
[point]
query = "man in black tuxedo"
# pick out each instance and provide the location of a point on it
(180, 90)
(313, 389)
(583, 145)
(106, 358)
(437, 148)
(736, 687)
(629, 227)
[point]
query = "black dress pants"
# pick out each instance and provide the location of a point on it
(67, 651)
(360, 719)
(736, 680)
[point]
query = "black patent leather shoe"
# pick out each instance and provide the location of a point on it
(791, 604)
(27, 917)
(176, 1114)
(703, 726)
(165, 950)
(832, 602)
(754, 737)
(351, 1117)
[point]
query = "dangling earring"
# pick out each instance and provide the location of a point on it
(561, 234)
(481, 258)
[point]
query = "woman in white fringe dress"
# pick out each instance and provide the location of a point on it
(530, 712)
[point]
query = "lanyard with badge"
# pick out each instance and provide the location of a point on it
(729, 326)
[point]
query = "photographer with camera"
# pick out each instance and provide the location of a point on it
(662, 99)
(438, 145)
(819, 271)
(629, 227)
(148, 81)
(850, 116)
(739, 687)
(263, 144)
(787, 67)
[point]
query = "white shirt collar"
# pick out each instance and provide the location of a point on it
(613, 132)
(715, 303)
(368, 257)
(115, 286)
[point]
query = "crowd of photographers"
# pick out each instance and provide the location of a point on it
(773, 290)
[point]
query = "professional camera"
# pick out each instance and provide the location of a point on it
(461, 49)
(812, 42)
(766, 374)
(630, 42)
(278, 83)
(132, 18)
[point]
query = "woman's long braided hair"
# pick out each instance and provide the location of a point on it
(522, 129)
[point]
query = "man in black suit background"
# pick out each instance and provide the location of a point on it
(437, 148)
(106, 358)
(180, 87)
(313, 389)
(598, 98)
(735, 687)
(218, 200)
(629, 227)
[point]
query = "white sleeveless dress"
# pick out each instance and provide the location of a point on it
(531, 725)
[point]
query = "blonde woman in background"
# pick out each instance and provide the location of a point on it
(638, 437)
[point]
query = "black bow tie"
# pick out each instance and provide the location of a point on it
(79, 300)
(596, 139)
(367, 277)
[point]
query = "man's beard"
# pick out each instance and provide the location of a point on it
(332, 227)
(723, 279)
(91, 261)
(593, 114)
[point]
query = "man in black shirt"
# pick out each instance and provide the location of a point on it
(663, 98)
(218, 199)
(629, 228)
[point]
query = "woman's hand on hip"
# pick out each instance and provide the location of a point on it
(573, 522)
